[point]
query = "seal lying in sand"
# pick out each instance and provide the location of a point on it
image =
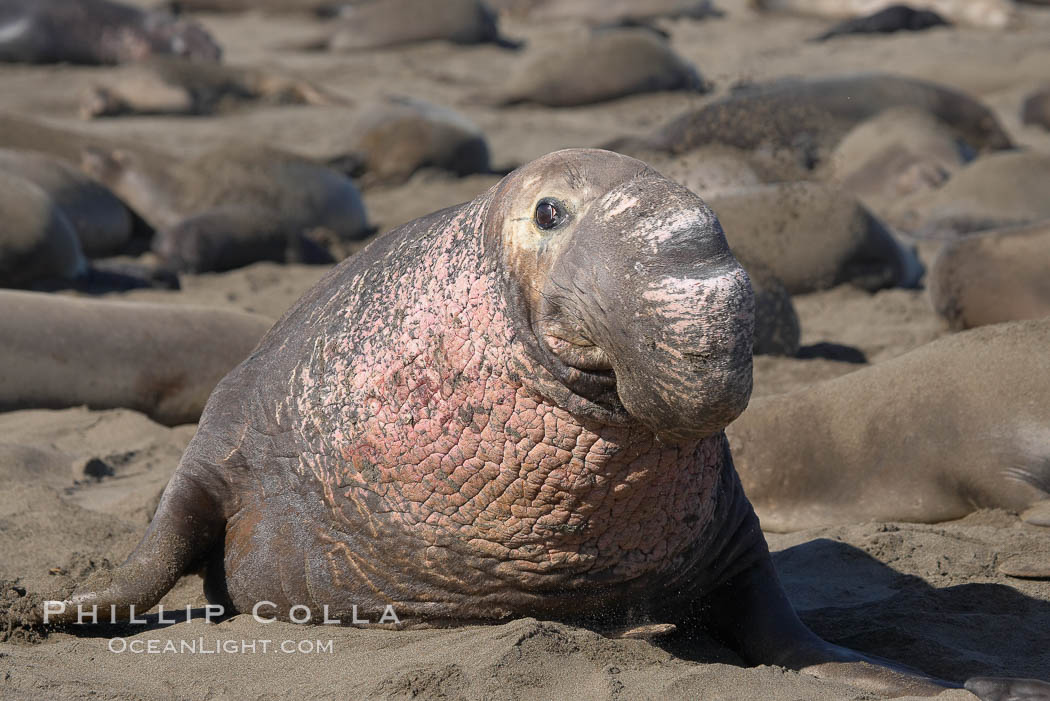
(164, 85)
(994, 191)
(932, 435)
(160, 359)
(393, 139)
(37, 241)
(899, 153)
(102, 223)
(808, 117)
(895, 18)
(813, 237)
(993, 277)
(512, 407)
(612, 12)
(398, 22)
(989, 14)
(610, 63)
(235, 205)
(96, 32)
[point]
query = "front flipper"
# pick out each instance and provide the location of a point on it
(187, 525)
(752, 613)
(1038, 514)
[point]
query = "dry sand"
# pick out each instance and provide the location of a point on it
(927, 595)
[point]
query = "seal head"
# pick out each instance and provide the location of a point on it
(628, 289)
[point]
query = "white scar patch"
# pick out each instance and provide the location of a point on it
(16, 29)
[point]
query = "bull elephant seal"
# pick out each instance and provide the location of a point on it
(988, 14)
(164, 85)
(993, 277)
(393, 139)
(608, 64)
(813, 237)
(102, 223)
(512, 407)
(806, 118)
(235, 205)
(398, 22)
(37, 242)
(160, 359)
(953, 426)
(96, 32)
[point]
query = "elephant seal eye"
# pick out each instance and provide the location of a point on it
(547, 215)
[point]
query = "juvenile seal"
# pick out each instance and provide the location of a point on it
(511, 407)
(393, 139)
(610, 63)
(164, 85)
(37, 242)
(813, 237)
(96, 32)
(160, 359)
(899, 153)
(391, 23)
(808, 117)
(235, 205)
(953, 426)
(101, 221)
(994, 191)
(988, 14)
(993, 277)
(895, 18)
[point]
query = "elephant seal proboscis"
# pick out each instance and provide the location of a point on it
(512, 407)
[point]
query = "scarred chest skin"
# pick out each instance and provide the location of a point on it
(441, 476)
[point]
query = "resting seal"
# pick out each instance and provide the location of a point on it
(806, 118)
(399, 22)
(233, 206)
(160, 359)
(103, 224)
(37, 242)
(512, 407)
(993, 277)
(608, 64)
(96, 32)
(166, 85)
(953, 426)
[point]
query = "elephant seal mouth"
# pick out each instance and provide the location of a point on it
(575, 350)
(580, 364)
